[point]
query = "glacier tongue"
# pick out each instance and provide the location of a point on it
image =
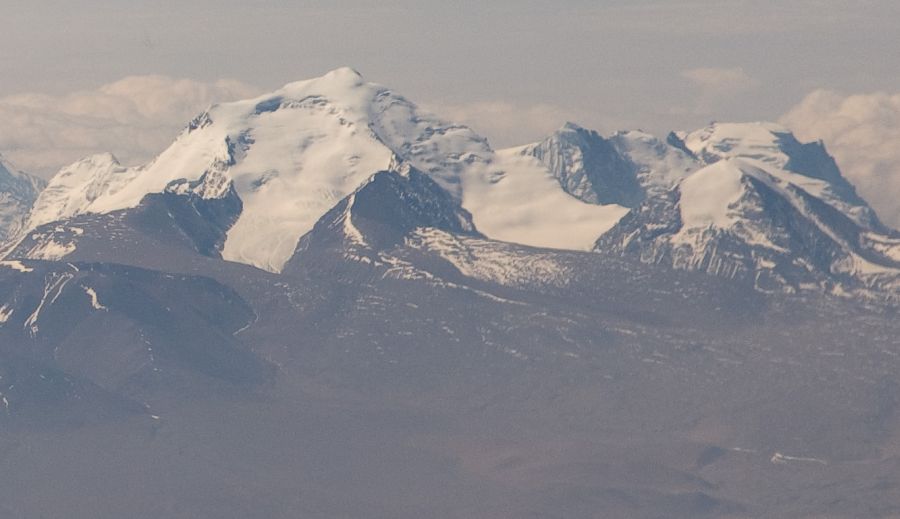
(292, 154)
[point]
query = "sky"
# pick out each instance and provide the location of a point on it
(118, 76)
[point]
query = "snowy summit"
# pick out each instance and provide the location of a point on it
(293, 154)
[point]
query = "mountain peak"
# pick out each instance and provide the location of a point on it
(291, 154)
(337, 80)
(78, 185)
(18, 191)
(3, 162)
(380, 214)
(739, 217)
(344, 74)
(774, 148)
(619, 169)
(708, 197)
(100, 159)
(758, 140)
(569, 126)
(8, 169)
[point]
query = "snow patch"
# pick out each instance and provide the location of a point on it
(491, 261)
(350, 230)
(887, 247)
(47, 248)
(53, 287)
(6, 312)
(16, 265)
(782, 459)
(95, 302)
(708, 194)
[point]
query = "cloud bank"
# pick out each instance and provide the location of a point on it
(862, 131)
(135, 118)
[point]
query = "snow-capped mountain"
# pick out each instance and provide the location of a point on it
(379, 215)
(76, 187)
(403, 348)
(246, 180)
(402, 225)
(741, 200)
(622, 169)
(18, 192)
(774, 148)
(766, 208)
(292, 154)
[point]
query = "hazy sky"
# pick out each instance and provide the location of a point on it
(514, 69)
(607, 61)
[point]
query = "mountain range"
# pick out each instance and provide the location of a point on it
(327, 302)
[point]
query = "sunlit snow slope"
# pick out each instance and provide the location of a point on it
(293, 154)
(762, 206)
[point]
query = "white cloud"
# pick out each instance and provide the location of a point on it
(863, 133)
(134, 118)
